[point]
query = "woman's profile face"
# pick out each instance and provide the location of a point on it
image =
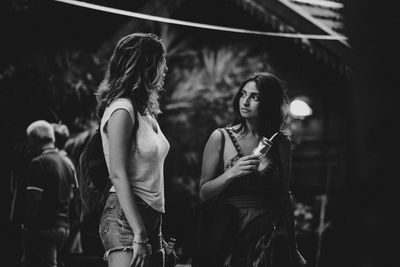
(249, 101)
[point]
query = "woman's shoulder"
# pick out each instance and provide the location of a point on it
(217, 136)
(234, 128)
(118, 104)
(220, 132)
(217, 133)
(123, 103)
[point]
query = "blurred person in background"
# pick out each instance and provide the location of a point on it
(62, 135)
(49, 192)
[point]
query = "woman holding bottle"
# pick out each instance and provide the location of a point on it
(251, 197)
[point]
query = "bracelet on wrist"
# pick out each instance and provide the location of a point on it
(142, 242)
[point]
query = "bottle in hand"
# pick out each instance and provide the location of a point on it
(261, 150)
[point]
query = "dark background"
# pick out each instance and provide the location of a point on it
(364, 202)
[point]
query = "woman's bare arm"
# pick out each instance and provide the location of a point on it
(211, 183)
(119, 131)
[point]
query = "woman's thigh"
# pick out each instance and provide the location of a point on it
(120, 259)
(116, 233)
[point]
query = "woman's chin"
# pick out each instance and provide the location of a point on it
(246, 115)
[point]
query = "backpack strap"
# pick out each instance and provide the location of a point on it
(136, 124)
(234, 141)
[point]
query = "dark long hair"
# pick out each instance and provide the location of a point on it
(271, 109)
(135, 71)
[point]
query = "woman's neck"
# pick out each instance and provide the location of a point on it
(252, 127)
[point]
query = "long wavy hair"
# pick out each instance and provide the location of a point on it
(135, 71)
(271, 108)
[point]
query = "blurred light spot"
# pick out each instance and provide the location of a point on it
(299, 108)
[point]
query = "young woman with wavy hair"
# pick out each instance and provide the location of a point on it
(134, 148)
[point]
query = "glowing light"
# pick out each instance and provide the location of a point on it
(299, 108)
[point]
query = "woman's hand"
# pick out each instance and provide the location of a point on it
(141, 251)
(244, 166)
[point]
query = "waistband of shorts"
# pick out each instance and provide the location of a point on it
(137, 198)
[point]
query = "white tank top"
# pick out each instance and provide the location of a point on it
(147, 155)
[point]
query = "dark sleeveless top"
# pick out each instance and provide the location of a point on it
(253, 189)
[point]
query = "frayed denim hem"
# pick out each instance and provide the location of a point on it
(122, 248)
(125, 248)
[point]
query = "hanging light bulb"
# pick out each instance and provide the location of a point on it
(300, 109)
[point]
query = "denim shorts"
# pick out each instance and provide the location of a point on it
(115, 231)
